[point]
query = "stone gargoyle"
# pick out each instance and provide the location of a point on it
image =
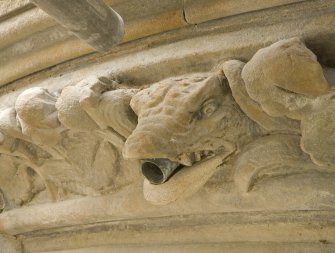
(270, 116)
(273, 114)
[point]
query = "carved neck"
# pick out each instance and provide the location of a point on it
(239, 128)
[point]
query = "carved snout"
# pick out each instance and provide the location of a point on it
(157, 171)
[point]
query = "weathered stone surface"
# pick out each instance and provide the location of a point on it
(142, 18)
(317, 131)
(24, 25)
(9, 244)
(253, 228)
(301, 191)
(232, 117)
(233, 72)
(284, 78)
(28, 37)
(183, 119)
(197, 11)
(186, 114)
(10, 8)
(213, 248)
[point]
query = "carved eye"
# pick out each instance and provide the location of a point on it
(208, 109)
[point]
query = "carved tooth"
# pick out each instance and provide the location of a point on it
(210, 153)
(186, 159)
(202, 155)
(197, 156)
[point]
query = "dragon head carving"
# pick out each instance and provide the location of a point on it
(185, 119)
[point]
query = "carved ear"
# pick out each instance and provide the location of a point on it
(224, 81)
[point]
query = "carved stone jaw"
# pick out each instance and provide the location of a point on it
(185, 182)
(158, 171)
(188, 159)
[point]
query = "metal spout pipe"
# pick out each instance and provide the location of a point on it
(158, 171)
(91, 20)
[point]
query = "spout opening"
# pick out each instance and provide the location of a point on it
(152, 172)
(158, 170)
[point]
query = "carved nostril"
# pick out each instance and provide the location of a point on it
(157, 171)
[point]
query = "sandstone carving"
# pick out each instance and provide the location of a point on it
(189, 181)
(278, 88)
(286, 81)
(262, 117)
(284, 77)
(37, 115)
(110, 108)
(185, 120)
(280, 155)
(95, 105)
(72, 152)
(19, 183)
(233, 72)
(317, 129)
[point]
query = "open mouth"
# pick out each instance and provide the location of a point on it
(159, 170)
(186, 181)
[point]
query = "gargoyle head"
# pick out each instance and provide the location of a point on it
(184, 119)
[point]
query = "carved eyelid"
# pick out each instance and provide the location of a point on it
(210, 101)
(207, 102)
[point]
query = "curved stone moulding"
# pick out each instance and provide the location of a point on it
(135, 66)
(32, 34)
(305, 191)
